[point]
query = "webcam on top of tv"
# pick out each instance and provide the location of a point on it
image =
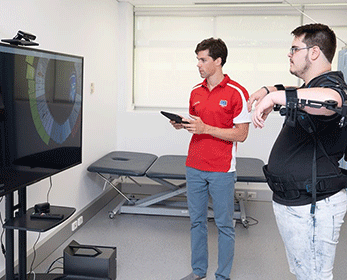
(22, 39)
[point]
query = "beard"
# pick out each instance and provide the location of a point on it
(300, 72)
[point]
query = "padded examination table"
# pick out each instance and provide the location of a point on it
(123, 163)
(161, 170)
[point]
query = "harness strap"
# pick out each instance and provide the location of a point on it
(286, 187)
(314, 177)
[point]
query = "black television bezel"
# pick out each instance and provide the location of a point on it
(6, 189)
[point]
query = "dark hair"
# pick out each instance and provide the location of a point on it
(215, 47)
(320, 35)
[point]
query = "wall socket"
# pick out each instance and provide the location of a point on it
(246, 195)
(240, 194)
(80, 220)
(74, 226)
(251, 195)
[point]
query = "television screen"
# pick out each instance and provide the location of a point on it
(40, 114)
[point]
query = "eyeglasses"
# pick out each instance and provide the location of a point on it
(293, 50)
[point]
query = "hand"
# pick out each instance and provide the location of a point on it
(177, 125)
(256, 96)
(195, 126)
(262, 110)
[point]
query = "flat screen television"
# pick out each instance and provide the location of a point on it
(40, 114)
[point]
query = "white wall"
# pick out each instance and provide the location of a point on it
(87, 28)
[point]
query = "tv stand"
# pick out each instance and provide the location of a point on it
(17, 217)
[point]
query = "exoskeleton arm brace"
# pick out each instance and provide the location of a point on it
(293, 104)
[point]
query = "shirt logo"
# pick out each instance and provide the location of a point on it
(223, 103)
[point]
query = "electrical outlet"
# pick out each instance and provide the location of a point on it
(251, 195)
(240, 194)
(80, 220)
(74, 226)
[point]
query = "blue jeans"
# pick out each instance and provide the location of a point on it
(220, 186)
(310, 240)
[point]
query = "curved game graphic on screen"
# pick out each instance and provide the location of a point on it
(67, 89)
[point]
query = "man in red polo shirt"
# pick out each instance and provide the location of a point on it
(219, 119)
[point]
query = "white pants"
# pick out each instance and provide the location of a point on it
(310, 240)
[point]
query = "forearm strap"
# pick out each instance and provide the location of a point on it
(277, 107)
(279, 87)
(291, 106)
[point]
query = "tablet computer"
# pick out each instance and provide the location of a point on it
(173, 117)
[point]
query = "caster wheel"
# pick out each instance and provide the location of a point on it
(111, 215)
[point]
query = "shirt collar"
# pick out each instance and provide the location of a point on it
(223, 83)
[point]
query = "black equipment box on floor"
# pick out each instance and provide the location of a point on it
(98, 262)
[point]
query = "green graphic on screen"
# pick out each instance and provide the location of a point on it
(47, 126)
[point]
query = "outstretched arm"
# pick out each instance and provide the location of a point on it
(265, 105)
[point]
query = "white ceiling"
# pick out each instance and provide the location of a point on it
(224, 2)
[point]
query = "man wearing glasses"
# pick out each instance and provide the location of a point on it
(309, 189)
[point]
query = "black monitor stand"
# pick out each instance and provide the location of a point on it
(17, 217)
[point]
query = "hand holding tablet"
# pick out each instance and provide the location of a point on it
(174, 117)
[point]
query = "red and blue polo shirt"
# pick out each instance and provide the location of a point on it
(223, 107)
